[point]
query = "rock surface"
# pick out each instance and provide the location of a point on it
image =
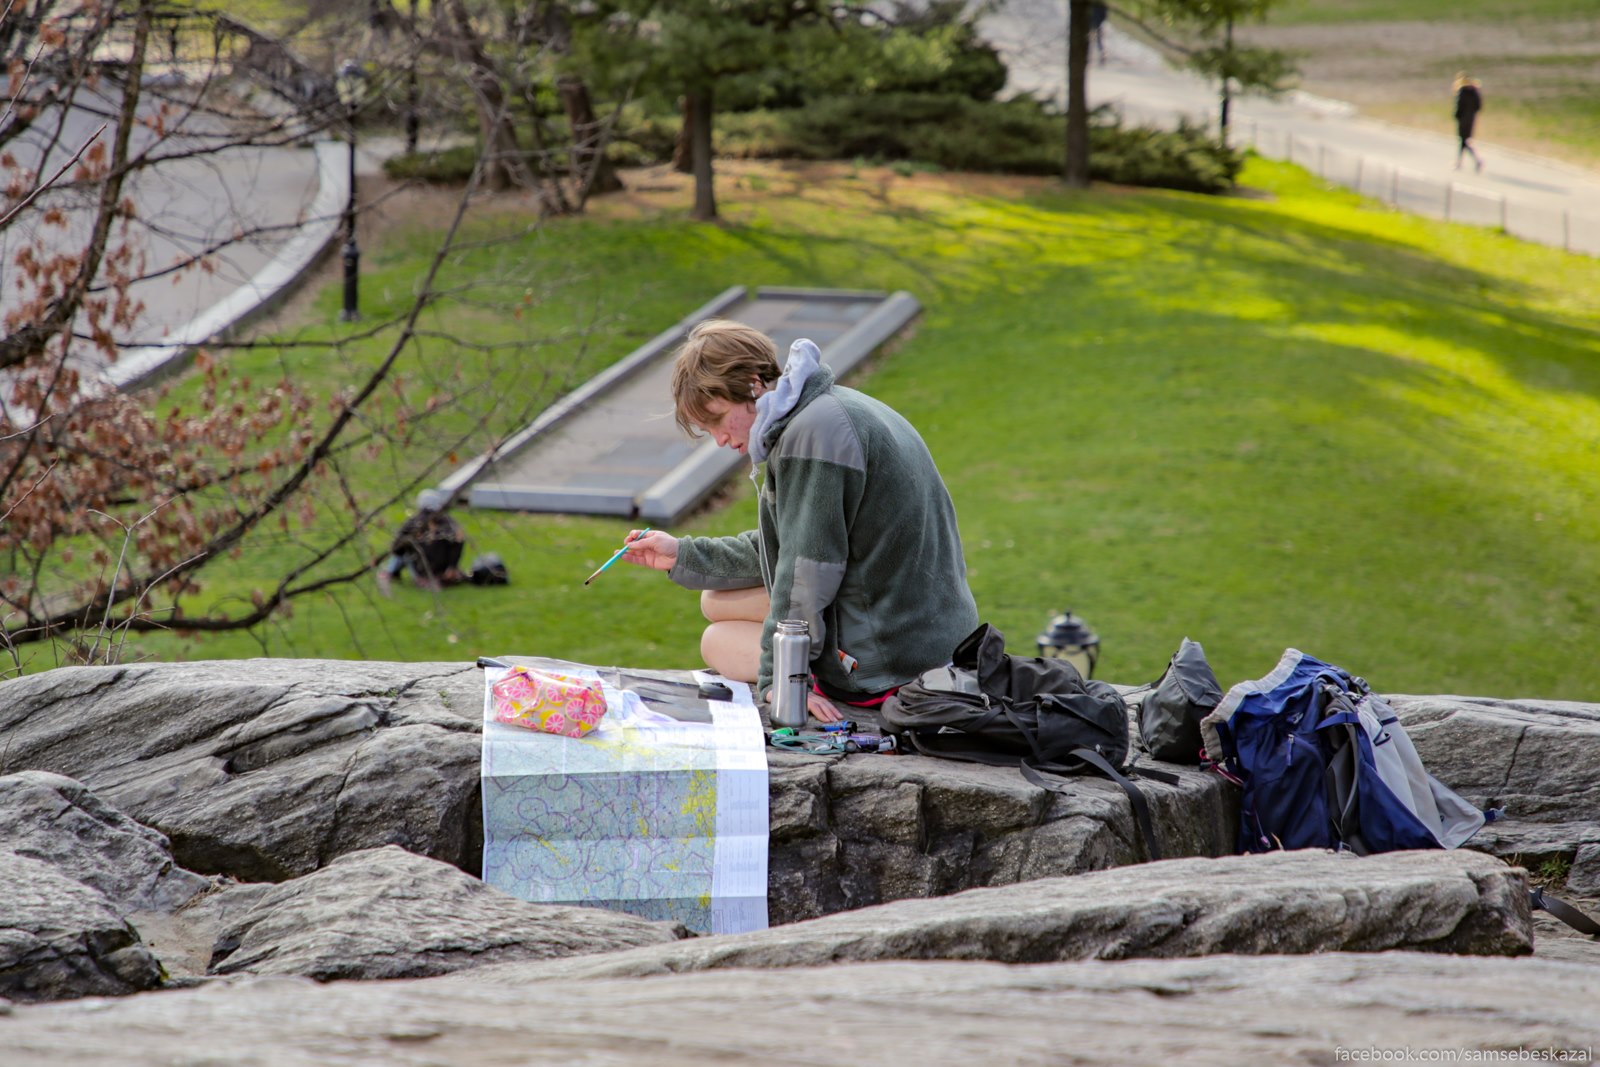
(1539, 761)
(1535, 757)
(852, 831)
(1281, 903)
(60, 938)
(386, 913)
(264, 770)
(73, 870)
(53, 818)
(1220, 1010)
(294, 776)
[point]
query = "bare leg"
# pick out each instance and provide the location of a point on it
(740, 605)
(731, 645)
(733, 650)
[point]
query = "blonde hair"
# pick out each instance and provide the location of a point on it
(1463, 78)
(718, 361)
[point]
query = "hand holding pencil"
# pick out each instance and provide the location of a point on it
(644, 548)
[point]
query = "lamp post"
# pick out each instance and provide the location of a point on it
(1068, 637)
(351, 85)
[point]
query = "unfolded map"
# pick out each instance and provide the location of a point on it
(650, 815)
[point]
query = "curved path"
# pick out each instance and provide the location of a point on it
(287, 200)
(1532, 198)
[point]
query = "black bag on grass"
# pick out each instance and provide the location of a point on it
(1037, 714)
(489, 569)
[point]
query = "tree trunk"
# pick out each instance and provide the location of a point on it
(1076, 173)
(503, 165)
(705, 197)
(593, 172)
(682, 152)
(413, 120)
(1227, 85)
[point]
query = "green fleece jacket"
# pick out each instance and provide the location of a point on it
(857, 535)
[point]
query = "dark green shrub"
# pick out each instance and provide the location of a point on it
(976, 72)
(638, 139)
(1020, 136)
(949, 131)
(1186, 158)
(451, 166)
(946, 131)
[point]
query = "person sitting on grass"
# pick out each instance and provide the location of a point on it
(856, 533)
(428, 544)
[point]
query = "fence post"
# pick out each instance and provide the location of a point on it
(1359, 161)
(1449, 187)
(1566, 243)
(1503, 215)
(1322, 165)
(1394, 188)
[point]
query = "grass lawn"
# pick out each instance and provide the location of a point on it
(1291, 12)
(1283, 419)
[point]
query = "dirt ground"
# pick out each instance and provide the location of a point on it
(1541, 81)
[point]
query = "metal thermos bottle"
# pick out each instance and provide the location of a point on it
(791, 672)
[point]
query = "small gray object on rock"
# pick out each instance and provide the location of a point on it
(386, 913)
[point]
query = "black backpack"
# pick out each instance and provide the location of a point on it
(489, 569)
(1037, 714)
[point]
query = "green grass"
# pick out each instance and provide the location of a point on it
(1302, 420)
(1563, 110)
(1301, 12)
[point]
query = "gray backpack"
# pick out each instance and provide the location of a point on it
(1169, 717)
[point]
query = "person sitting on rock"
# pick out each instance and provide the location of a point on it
(856, 533)
(428, 544)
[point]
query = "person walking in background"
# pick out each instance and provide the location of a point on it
(1469, 101)
(1097, 28)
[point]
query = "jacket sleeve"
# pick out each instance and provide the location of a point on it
(718, 562)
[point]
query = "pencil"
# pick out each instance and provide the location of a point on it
(616, 555)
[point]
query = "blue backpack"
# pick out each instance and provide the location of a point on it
(1325, 763)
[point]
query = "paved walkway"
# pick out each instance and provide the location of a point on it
(182, 207)
(612, 447)
(1536, 199)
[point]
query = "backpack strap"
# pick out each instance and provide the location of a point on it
(1341, 777)
(1141, 807)
(953, 749)
(1563, 911)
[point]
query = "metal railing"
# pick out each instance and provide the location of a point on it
(1407, 190)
